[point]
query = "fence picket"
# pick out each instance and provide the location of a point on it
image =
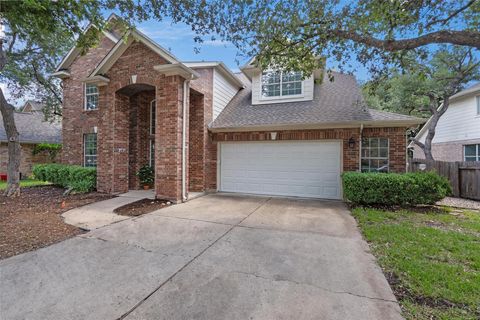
(464, 176)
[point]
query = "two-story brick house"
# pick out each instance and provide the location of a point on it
(201, 127)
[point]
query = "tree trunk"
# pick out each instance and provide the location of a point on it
(13, 172)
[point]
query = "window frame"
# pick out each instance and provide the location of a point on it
(151, 157)
(477, 152)
(153, 116)
(379, 158)
(85, 150)
(86, 95)
(281, 96)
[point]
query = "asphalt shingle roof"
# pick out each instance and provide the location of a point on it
(335, 102)
(33, 129)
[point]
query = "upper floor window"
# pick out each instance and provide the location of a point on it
(472, 152)
(375, 155)
(281, 83)
(91, 97)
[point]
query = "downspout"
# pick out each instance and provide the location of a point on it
(184, 140)
(360, 148)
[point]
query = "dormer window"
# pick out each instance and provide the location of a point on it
(280, 84)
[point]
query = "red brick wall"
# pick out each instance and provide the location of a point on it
(397, 138)
(203, 171)
(27, 159)
(76, 121)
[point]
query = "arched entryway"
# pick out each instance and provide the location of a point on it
(138, 104)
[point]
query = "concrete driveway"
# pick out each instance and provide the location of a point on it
(215, 257)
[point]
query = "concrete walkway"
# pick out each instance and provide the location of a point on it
(100, 214)
(215, 257)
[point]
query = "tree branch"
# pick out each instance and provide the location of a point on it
(452, 15)
(463, 38)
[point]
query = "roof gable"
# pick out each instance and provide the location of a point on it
(121, 46)
(75, 51)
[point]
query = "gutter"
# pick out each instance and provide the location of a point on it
(184, 139)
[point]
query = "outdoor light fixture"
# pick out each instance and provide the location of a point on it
(273, 135)
(351, 143)
(95, 129)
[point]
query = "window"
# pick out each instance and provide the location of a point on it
(153, 119)
(374, 155)
(90, 149)
(152, 153)
(279, 83)
(472, 152)
(91, 97)
(478, 104)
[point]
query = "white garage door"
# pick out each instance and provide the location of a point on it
(293, 168)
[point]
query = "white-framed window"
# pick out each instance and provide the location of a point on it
(151, 160)
(280, 83)
(91, 97)
(477, 98)
(471, 152)
(153, 116)
(375, 155)
(90, 150)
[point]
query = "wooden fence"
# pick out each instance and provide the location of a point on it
(464, 177)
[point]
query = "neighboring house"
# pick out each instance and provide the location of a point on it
(457, 135)
(129, 102)
(32, 130)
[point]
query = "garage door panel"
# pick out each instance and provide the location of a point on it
(307, 169)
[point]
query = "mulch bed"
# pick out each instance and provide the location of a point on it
(141, 207)
(33, 220)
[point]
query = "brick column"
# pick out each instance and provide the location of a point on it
(168, 139)
(120, 143)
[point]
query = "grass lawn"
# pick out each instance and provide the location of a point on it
(431, 259)
(25, 183)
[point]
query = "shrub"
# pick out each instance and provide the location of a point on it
(146, 175)
(394, 189)
(80, 179)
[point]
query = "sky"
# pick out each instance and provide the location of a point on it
(179, 39)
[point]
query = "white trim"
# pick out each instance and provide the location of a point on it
(218, 65)
(62, 74)
(151, 143)
(177, 69)
(281, 96)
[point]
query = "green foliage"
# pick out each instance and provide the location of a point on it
(80, 179)
(146, 175)
(51, 148)
(407, 91)
(391, 189)
(434, 256)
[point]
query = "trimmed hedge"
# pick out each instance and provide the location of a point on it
(80, 179)
(394, 189)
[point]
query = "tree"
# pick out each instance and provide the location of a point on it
(293, 33)
(424, 87)
(38, 33)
